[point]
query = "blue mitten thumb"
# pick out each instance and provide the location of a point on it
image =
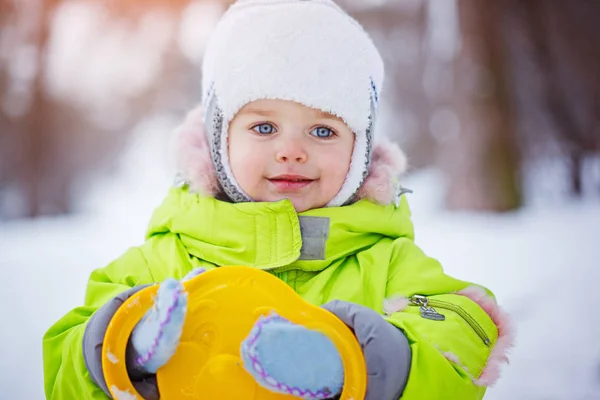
(291, 359)
(155, 338)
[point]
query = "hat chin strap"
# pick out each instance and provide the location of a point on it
(358, 171)
(361, 161)
(230, 185)
(217, 129)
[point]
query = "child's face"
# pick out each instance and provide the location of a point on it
(281, 149)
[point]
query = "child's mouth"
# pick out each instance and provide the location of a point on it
(290, 182)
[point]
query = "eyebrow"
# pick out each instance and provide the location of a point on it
(326, 115)
(262, 113)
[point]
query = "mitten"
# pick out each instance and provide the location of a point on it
(155, 338)
(291, 359)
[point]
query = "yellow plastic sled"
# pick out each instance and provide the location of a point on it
(223, 305)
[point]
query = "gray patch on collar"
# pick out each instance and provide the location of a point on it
(314, 231)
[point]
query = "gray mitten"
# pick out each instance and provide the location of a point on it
(386, 349)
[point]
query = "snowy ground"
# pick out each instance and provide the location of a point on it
(541, 262)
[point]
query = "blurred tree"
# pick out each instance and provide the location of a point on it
(7, 15)
(38, 146)
(28, 155)
(50, 142)
(482, 161)
(565, 49)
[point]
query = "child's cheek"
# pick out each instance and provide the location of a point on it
(247, 159)
(337, 165)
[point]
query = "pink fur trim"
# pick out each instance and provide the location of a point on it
(193, 155)
(195, 163)
(499, 354)
(505, 342)
(388, 163)
(453, 358)
(394, 304)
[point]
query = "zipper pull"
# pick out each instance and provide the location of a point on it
(432, 314)
(427, 312)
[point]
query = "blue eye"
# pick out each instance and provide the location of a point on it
(264, 129)
(322, 132)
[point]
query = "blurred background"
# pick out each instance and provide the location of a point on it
(496, 103)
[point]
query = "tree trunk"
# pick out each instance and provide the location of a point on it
(40, 166)
(566, 53)
(482, 161)
(576, 161)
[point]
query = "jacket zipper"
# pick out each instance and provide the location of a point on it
(429, 312)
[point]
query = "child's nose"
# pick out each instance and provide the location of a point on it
(291, 150)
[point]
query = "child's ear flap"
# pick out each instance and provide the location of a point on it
(193, 159)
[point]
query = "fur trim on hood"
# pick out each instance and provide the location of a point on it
(196, 168)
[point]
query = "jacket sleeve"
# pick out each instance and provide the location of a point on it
(66, 375)
(456, 332)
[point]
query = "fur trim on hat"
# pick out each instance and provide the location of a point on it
(196, 168)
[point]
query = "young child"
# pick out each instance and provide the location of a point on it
(279, 171)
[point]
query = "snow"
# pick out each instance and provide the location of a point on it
(111, 357)
(123, 394)
(541, 262)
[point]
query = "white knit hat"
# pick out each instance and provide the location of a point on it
(307, 51)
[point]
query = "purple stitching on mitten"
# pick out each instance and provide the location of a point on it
(156, 337)
(194, 273)
(143, 359)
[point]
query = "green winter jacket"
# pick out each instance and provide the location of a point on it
(370, 256)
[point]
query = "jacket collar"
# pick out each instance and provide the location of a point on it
(272, 236)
